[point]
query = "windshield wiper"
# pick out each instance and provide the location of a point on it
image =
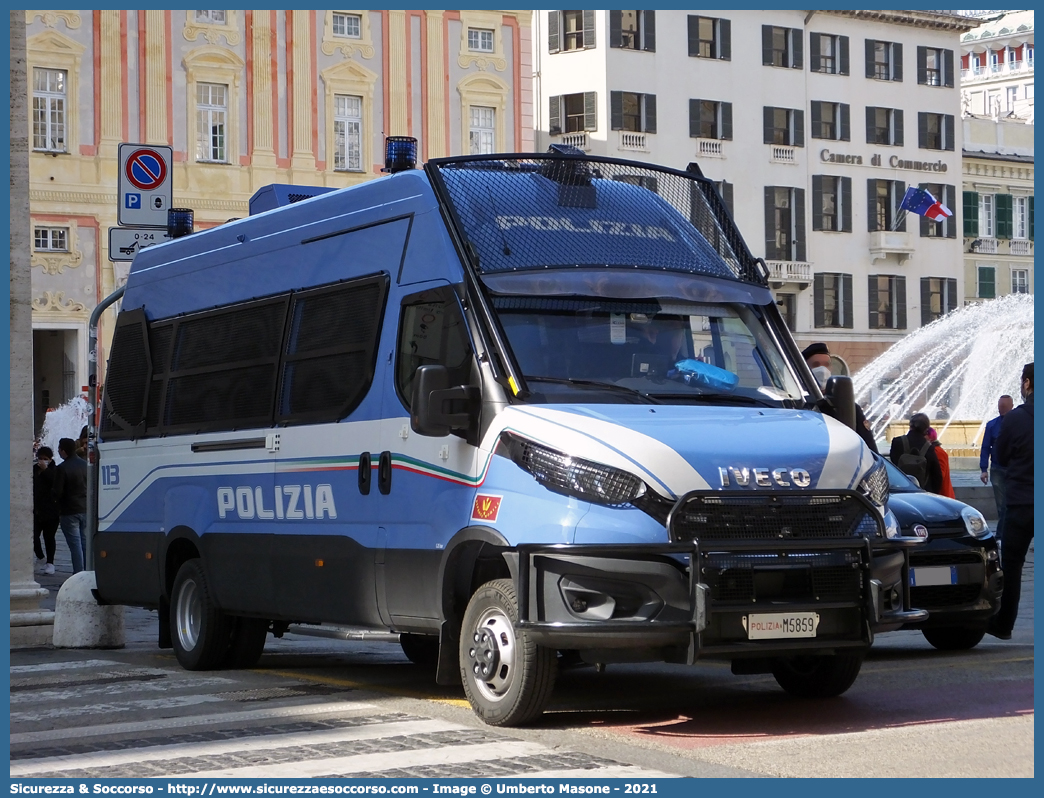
(597, 385)
(715, 398)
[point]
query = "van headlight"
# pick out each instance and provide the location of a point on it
(875, 484)
(573, 476)
(975, 523)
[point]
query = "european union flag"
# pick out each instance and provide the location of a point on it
(921, 202)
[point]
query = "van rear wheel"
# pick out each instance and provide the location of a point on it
(422, 650)
(247, 642)
(199, 630)
(817, 677)
(507, 677)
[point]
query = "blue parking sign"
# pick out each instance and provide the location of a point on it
(132, 201)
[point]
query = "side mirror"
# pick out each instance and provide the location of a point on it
(842, 398)
(436, 409)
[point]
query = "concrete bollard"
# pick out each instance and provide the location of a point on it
(80, 622)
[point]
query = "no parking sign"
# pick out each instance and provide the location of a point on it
(145, 192)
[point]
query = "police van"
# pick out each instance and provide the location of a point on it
(515, 408)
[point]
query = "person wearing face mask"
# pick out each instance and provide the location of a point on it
(817, 356)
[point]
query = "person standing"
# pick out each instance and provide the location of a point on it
(913, 454)
(946, 487)
(45, 510)
(996, 469)
(70, 493)
(1014, 448)
(817, 356)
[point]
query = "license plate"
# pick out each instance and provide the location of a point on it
(939, 575)
(780, 625)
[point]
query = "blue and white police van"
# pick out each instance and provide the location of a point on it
(515, 408)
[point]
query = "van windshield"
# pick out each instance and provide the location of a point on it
(576, 349)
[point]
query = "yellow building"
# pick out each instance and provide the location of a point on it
(245, 99)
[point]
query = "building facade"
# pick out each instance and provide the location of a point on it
(245, 99)
(813, 124)
(997, 66)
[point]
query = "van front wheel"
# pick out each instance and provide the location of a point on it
(507, 677)
(817, 677)
(199, 630)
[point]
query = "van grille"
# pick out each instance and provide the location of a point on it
(779, 516)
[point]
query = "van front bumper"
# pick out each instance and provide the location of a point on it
(636, 602)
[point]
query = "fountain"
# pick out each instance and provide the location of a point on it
(954, 369)
(64, 422)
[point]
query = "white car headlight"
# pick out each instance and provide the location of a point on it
(875, 484)
(975, 523)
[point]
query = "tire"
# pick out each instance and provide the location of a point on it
(198, 629)
(507, 678)
(817, 677)
(421, 650)
(955, 638)
(247, 642)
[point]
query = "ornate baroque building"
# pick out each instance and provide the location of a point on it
(245, 99)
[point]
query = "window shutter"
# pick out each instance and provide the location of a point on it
(817, 115)
(922, 65)
(897, 123)
(767, 126)
(650, 113)
(846, 300)
(813, 52)
(971, 214)
(871, 126)
(590, 110)
(771, 251)
(949, 132)
(615, 32)
(926, 223)
(589, 31)
(694, 119)
(817, 202)
(869, 58)
(799, 128)
(900, 302)
(817, 301)
(951, 294)
(846, 205)
(726, 120)
(552, 31)
(842, 47)
(871, 205)
(897, 200)
(897, 62)
(649, 31)
(616, 110)
(871, 300)
(950, 201)
(728, 195)
(554, 115)
(926, 300)
(846, 122)
(799, 222)
(948, 68)
(1004, 215)
(1029, 212)
(766, 44)
(694, 36)
(724, 40)
(797, 43)
(922, 130)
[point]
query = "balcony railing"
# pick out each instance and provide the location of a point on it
(890, 242)
(789, 271)
(978, 73)
(784, 154)
(578, 140)
(633, 141)
(985, 246)
(710, 148)
(1020, 247)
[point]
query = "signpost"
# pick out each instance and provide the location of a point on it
(145, 185)
(126, 242)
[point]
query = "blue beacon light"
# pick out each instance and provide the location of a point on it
(400, 153)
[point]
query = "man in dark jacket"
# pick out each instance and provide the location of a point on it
(817, 356)
(70, 492)
(45, 511)
(1014, 448)
(916, 442)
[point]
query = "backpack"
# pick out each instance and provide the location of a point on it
(914, 463)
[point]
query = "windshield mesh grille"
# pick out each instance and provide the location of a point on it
(553, 211)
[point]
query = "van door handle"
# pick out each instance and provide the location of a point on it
(365, 473)
(384, 472)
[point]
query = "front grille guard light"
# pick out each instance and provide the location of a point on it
(573, 476)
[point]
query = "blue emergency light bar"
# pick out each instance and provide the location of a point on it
(400, 153)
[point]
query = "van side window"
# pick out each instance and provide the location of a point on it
(432, 331)
(127, 378)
